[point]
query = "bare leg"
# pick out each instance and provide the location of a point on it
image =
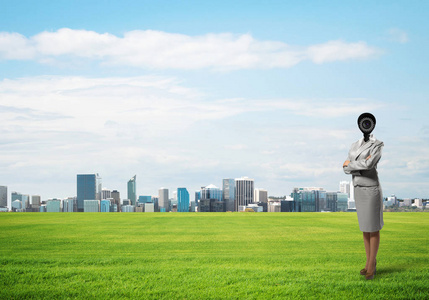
(366, 241)
(374, 244)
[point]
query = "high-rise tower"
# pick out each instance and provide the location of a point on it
(117, 199)
(261, 195)
(163, 200)
(88, 188)
(229, 194)
(345, 187)
(3, 196)
(182, 200)
(131, 187)
(243, 192)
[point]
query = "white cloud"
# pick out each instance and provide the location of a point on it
(163, 50)
(397, 35)
(15, 46)
(339, 50)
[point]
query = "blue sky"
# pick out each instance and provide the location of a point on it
(185, 93)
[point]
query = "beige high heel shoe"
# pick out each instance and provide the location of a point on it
(370, 276)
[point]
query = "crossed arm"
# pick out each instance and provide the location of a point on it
(351, 167)
(346, 163)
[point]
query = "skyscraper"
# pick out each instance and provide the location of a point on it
(88, 188)
(182, 200)
(229, 193)
(243, 192)
(131, 188)
(3, 196)
(106, 194)
(163, 200)
(211, 192)
(117, 199)
(345, 188)
(35, 200)
(211, 199)
(261, 195)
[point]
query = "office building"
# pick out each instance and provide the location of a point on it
(3, 196)
(342, 202)
(211, 199)
(149, 207)
(331, 201)
(287, 205)
(211, 192)
(228, 187)
(88, 188)
(406, 202)
(155, 203)
(106, 194)
(320, 199)
(131, 188)
(345, 188)
(197, 197)
(417, 203)
(163, 200)
(351, 205)
(24, 199)
(182, 200)
(116, 199)
(35, 200)
(128, 208)
(17, 205)
(243, 192)
(70, 204)
(391, 201)
(91, 205)
(193, 207)
(53, 205)
(145, 199)
(304, 199)
(105, 205)
(274, 206)
(261, 195)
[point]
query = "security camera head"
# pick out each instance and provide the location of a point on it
(366, 123)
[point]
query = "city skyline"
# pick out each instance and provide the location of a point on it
(241, 191)
(243, 197)
(194, 90)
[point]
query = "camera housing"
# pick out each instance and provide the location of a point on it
(366, 123)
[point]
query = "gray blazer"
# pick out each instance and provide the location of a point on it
(364, 171)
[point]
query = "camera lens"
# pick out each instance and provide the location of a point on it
(366, 124)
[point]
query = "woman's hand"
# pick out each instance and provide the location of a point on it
(346, 163)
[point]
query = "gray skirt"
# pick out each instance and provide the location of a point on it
(369, 207)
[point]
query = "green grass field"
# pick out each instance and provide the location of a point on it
(208, 256)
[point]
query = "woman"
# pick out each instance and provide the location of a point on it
(362, 164)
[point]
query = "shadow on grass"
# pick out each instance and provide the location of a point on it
(390, 270)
